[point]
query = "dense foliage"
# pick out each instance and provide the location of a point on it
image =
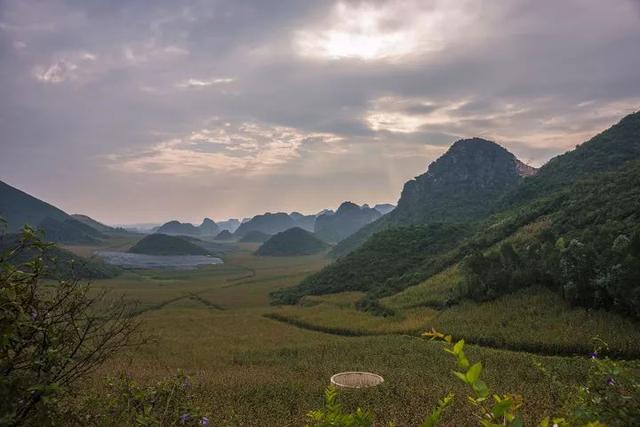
(388, 255)
(124, 402)
(163, 244)
(590, 252)
(51, 336)
(292, 242)
(56, 260)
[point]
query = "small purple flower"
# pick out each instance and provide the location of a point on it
(593, 355)
(611, 381)
(204, 422)
(184, 418)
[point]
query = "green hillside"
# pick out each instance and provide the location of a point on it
(163, 244)
(586, 248)
(69, 231)
(292, 242)
(59, 263)
(388, 255)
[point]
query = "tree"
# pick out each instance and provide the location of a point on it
(52, 334)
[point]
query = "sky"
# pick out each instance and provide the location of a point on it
(145, 111)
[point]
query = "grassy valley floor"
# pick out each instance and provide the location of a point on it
(258, 365)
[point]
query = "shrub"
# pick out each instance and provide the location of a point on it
(124, 402)
(50, 336)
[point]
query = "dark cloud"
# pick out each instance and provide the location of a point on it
(102, 99)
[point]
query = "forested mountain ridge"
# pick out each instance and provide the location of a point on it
(462, 185)
(596, 213)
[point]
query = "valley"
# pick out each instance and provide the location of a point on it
(252, 361)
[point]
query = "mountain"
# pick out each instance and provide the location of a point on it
(230, 225)
(19, 208)
(268, 223)
(292, 242)
(208, 228)
(69, 231)
(384, 208)
(464, 184)
(224, 235)
(177, 228)
(254, 236)
(607, 151)
(96, 225)
(348, 219)
(574, 226)
(306, 222)
(163, 244)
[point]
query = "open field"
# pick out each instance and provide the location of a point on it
(253, 370)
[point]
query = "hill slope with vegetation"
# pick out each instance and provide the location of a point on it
(462, 185)
(163, 244)
(586, 247)
(292, 242)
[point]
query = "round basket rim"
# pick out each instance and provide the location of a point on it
(364, 373)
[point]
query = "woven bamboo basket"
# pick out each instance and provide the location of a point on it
(356, 380)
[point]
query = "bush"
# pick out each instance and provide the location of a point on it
(125, 403)
(50, 336)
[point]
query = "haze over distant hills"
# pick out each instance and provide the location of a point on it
(174, 228)
(349, 218)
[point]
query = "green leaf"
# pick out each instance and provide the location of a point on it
(481, 389)
(473, 374)
(457, 347)
(500, 408)
(461, 376)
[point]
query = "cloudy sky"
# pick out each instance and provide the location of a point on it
(142, 111)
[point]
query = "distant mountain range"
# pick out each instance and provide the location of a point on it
(349, 218)
(177, 228)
